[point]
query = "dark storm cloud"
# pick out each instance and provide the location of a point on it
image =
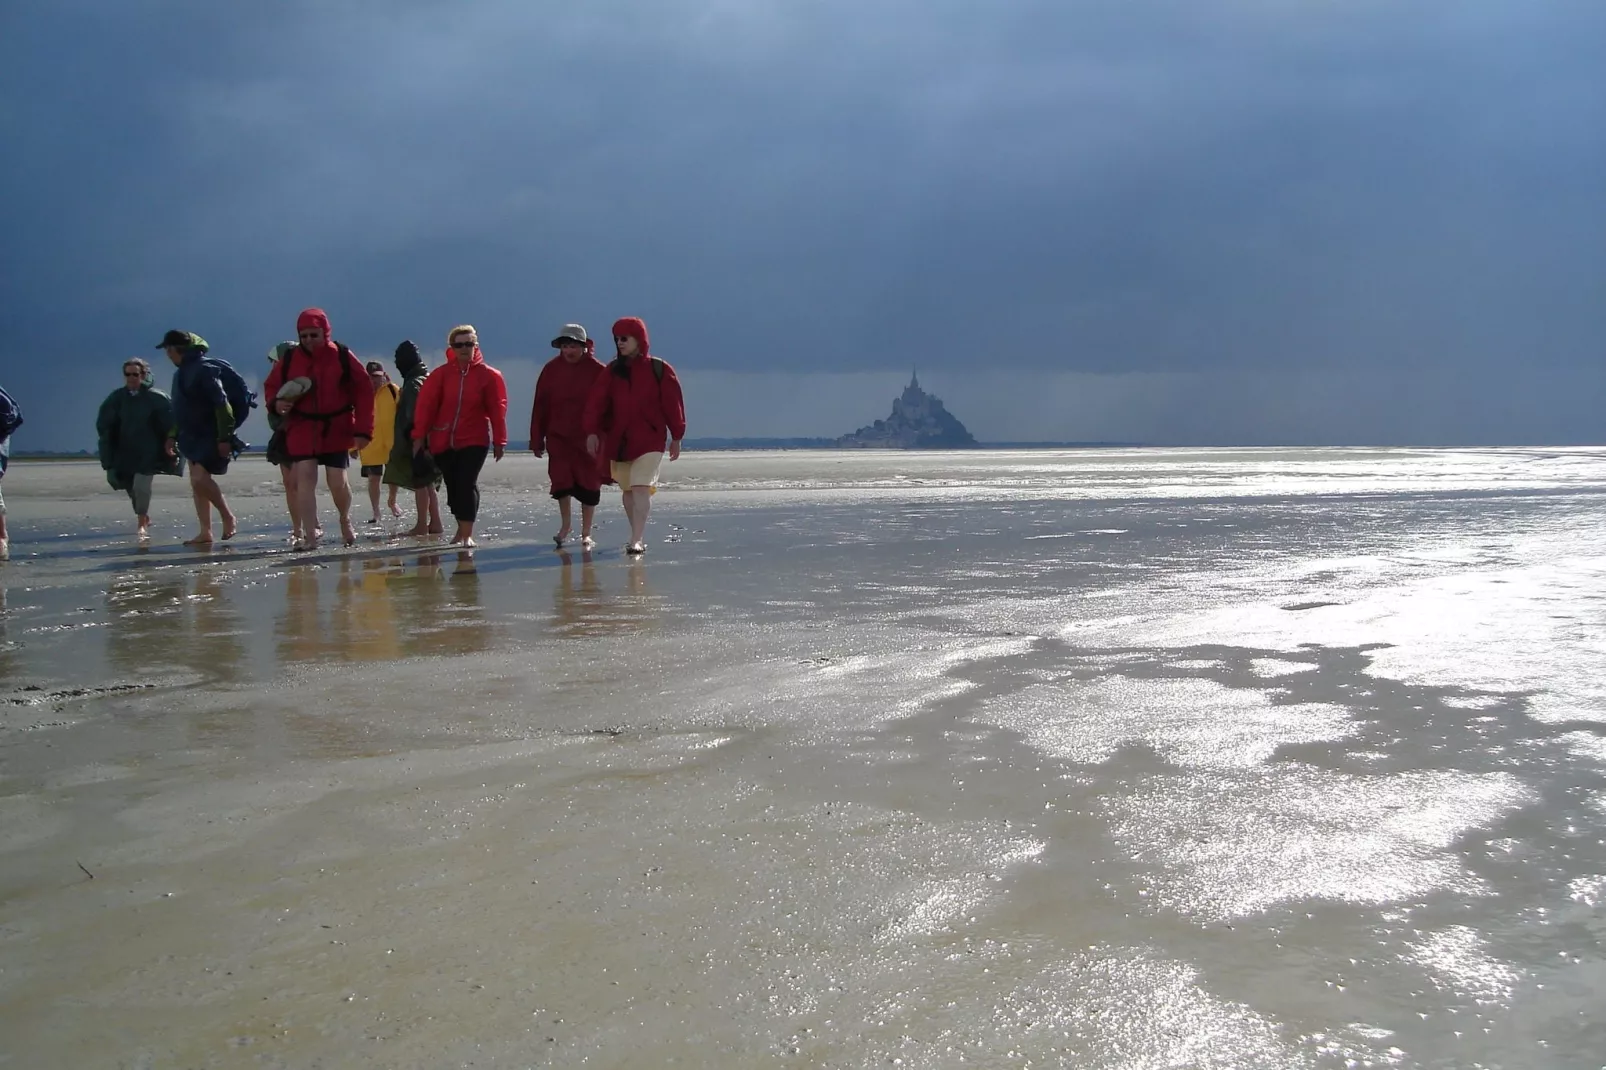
(1135, 186)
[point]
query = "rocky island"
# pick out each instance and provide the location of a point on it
(918, 422)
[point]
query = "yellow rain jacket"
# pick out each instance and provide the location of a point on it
(378, 450)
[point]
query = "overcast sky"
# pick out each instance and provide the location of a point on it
(1137, 220)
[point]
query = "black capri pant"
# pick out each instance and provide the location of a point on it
(460, 468)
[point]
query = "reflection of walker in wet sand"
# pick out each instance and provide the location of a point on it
(445, 607)
(581, 606)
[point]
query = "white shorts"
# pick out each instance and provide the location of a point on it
(641, 472)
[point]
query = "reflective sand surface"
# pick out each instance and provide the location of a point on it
(1262, 758)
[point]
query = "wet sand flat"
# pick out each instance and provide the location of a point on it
(1126, 758)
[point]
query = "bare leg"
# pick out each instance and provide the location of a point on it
(394, 510)
(421, 498)
(638, 516)
(629, 501)
(207, 495)
(304, 474)
(564, 518)
(5, 539)
(588, 513)
(340, 493)
(287, 475)
(139, 492)
(373, 496)
(435, 525)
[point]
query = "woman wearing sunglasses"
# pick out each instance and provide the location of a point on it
(462, 416)
(632, 409)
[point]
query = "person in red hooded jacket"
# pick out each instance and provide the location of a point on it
(462, 415)
(560, 400)
(628, 414)
(332, 416)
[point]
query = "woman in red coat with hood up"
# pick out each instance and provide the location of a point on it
(632, 408)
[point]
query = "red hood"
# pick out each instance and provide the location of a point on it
(632, 327)
(314, 317)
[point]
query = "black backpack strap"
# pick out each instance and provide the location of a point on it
(345, 382)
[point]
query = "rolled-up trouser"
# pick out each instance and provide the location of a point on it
(460, 468)
(139, 492)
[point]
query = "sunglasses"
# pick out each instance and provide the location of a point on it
(136, 373)
(464, 345)
(623, 338)
(310, 335)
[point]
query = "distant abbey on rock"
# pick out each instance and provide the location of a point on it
(918, 422)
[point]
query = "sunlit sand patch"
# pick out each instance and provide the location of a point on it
(1472, 702)
(938, 907)
(1224, 846)
(1586, 745)
(1194, 723)
(1551, 708)
(1274, 668)
(1108, 1006)
(1458, 957)
(1590, 891)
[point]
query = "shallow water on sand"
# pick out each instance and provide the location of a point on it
(1135, 758)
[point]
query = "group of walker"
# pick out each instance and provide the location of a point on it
(595, 423)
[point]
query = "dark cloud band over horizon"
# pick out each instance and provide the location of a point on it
(1148, 187)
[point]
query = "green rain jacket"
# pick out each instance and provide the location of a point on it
(133, 429)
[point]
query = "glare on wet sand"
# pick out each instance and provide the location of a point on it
(1127, 758)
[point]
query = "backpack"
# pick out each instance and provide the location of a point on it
(10, 414)
(242, 399)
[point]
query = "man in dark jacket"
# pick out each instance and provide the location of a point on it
(203, 429)
(132, 425)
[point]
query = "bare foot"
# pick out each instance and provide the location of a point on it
(394, 509)
(415, 531)
(347, 534)
(436, 529)
(230, 526)
(203, 539)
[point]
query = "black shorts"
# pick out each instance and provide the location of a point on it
(340, 459)
(373, 470)
(579, 494)
(214, 464)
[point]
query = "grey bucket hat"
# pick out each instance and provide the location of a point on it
(572, 332)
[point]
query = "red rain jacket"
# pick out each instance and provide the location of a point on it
(462, 405)
(560, 402)
(633, 411)
(340, 405)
